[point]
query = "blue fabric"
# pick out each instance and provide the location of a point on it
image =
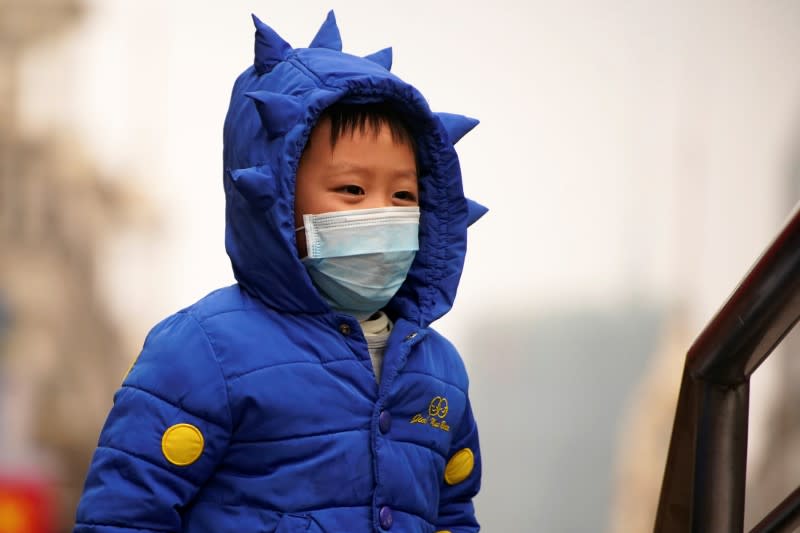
(280, 386)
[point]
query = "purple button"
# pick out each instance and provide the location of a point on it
(385, 421)
(385, 517)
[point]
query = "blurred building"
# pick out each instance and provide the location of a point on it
(60, 354)
(645, 431)
(550, 394)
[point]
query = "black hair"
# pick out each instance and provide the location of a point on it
(349, 118)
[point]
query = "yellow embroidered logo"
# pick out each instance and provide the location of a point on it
(437, 411)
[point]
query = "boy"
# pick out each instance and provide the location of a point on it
(312, 395)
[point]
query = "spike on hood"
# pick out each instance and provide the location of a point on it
(278, 112)
(382, 57)
(260, 169)
(269, 47)
(328, 35)
(457, 125)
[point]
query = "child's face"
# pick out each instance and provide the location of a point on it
(364, 170)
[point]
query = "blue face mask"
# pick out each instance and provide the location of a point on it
(358, 259)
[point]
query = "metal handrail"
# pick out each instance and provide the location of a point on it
(785, 517)
(703, 490)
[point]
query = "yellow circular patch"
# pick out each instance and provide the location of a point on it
(459, 467)
(182, 444)
(443, 531)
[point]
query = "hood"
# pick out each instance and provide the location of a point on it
(274, 106)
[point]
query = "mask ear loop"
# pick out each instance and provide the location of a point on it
(300, 229)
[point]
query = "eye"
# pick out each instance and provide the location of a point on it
(406, 196)
(351, 189)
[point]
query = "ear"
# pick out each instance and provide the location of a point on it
(382, 57)
(279, 112)
(270, 48)
(328, 35)
(457, 125)
(474, 211)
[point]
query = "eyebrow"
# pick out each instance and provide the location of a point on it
(345, 168)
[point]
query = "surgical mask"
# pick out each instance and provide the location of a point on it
(358, 259)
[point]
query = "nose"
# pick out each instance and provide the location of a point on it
(379, 199)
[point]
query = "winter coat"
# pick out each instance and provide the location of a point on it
(256, 409)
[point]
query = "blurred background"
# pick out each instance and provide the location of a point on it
(637, 156)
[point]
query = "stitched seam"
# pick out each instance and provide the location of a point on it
(218, 313)
(219, 367)
(145, 460)
(423, 446)
(460, 501)
(302, 67)
(293, 510)
(169, 402)
(298, 437)
(274, 365)
(413, 513)
(420, 373)
(102, 524)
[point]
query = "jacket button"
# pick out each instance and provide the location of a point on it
(385, 421)
(344, 328)
(385, 517)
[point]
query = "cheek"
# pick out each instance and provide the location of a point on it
(310, 197)
(298, 215)
(303, 191)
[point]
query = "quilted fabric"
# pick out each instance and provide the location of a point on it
(256, 409)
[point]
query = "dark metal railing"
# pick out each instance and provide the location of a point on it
(703, 490)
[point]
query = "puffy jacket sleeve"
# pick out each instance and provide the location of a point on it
(462, 479)
(167, 431)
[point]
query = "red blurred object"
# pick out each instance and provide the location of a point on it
(26, 505)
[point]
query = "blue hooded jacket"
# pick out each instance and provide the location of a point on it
(256, 409)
